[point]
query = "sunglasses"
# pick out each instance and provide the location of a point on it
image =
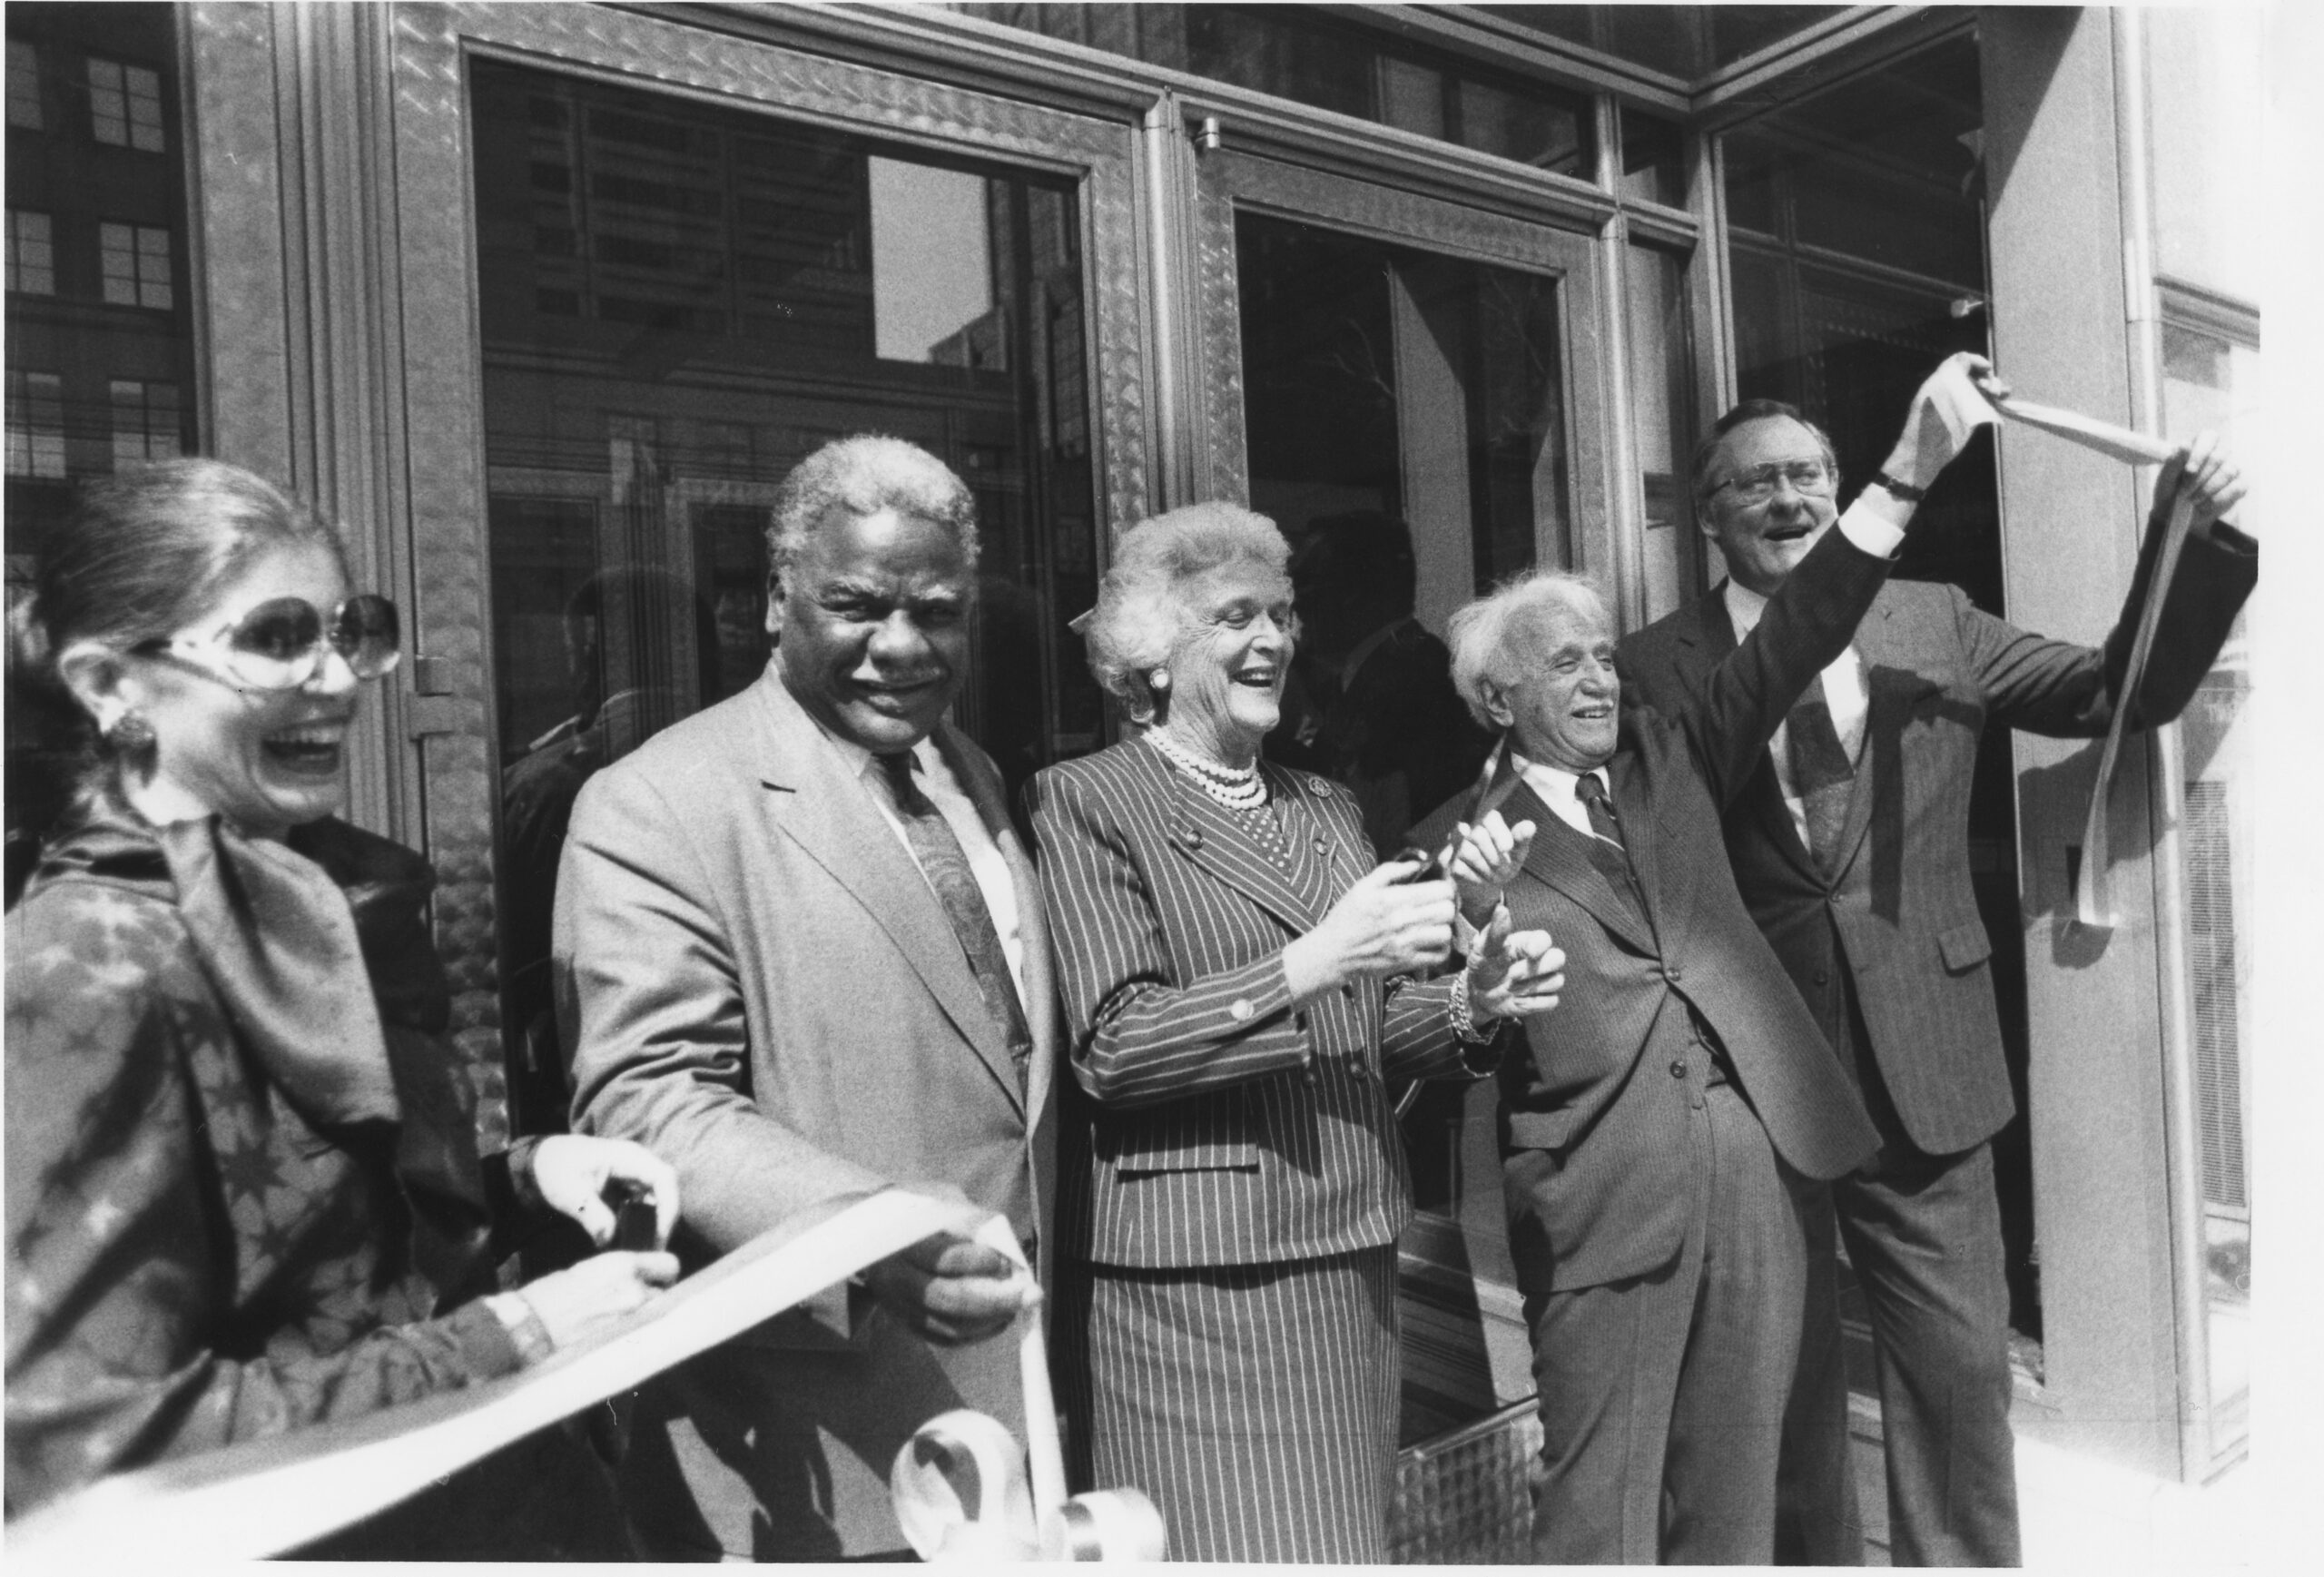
(279, 645)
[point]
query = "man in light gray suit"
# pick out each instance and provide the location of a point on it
(799, 954)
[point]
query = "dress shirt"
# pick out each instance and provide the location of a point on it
(1555, 785)
(986, 861)
(1875, 522)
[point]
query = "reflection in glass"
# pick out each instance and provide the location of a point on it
(1654, 165)
(1292, 51)
(101, 371)
(1661, 373)
(2209, 383)
(679, 304)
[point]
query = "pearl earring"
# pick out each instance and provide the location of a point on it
(1160, 678)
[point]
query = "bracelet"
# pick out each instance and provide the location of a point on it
(523, 1322)
(1896, 489)
(1463, 1025)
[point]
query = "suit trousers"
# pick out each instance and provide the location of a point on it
(1662, 1395)
(1923, 1235)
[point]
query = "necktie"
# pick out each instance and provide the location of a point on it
(946, 866)
(1607, 850)
(1822, 774)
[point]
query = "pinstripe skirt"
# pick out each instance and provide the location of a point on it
(1255, 1403)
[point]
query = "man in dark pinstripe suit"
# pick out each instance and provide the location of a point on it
(1857, 868)
(1657, 1141)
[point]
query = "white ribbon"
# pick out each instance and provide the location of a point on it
(2093, 901)
(1016, 1518)
(262, 1497)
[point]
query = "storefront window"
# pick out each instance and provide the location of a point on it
(1293, 54)
(680, 302)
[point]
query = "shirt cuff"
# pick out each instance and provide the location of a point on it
(1876, 522)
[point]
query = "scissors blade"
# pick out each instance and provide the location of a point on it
(1496, 781)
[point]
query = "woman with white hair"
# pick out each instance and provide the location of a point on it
(1241, 985)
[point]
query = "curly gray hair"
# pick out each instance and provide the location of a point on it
(1141, 609)
(864, 475)
(1495, 633)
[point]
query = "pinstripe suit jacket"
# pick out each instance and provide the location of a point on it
(1214, 1123)
(1594, 1131)
(759, 985)
(1899, 914)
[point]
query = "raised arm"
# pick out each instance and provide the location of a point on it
(2067, 690)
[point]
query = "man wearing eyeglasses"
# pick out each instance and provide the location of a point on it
(1850, 846)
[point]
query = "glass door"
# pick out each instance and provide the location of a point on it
(689, 268)
(1410, 388)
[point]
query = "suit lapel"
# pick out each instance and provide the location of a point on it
(1560, 858)
(1213, 837)
(818, 803)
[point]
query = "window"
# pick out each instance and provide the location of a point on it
(31, 253)
(144, 421)
(136, 265)
(35, 424)
(24, 84)
(125, 105)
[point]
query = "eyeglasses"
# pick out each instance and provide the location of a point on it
(1757, 484)
(279, 645)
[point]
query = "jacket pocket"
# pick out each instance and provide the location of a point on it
(1541, 1130)
(1964, 947)
(1212, 1155)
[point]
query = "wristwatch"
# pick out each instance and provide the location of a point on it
(1896, 489)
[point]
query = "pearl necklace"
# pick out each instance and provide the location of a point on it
(1238, 790)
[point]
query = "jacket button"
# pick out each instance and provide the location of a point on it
(1319, 843)
(1671, 973)
(1194, 837)
(1240, 1010)
(1678, 1068)
(1823, 979)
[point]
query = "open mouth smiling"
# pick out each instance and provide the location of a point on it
(310, 747)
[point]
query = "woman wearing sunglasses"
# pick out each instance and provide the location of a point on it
(243, 1194)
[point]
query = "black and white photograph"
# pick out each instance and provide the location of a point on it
(1323, 785)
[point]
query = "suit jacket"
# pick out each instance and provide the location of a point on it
(1593, 1129)
(1213, 1123)
(1898, 915)
(759, 985)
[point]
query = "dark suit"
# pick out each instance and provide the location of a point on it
(1231, 1182)
(761, 987)
(1653, 1141)
(1888, 950)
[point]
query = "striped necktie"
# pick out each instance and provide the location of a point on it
(946, 866)
(1607, 850)
(1822, 774)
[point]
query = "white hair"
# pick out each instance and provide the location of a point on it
(1495, 635)
(1141, 607)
